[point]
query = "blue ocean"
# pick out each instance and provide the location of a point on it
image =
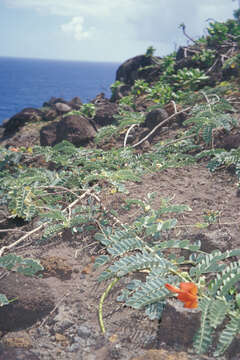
(31, 82)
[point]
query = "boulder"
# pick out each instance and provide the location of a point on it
(105, 111)
(52, 101)
(20, 119)
(48, 134)
(154, 118)
(75, 103)
(34, 300)
(62, 108)
(76, 129)
(49, 113)
(128, 72)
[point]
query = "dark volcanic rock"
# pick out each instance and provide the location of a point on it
(105, 111)
(48, 134)
(75, 103)
(154, 118)
(49, 113)
(178, 325)
(34, 300)
(128, 72)
(53, 101)
(76, 129)
(19, 120)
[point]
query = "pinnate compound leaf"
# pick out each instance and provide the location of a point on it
(228, 334)
(217, 312)
(203, 337)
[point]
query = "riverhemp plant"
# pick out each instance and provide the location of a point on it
(203, 281)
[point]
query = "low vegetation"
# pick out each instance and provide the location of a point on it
(58, 188)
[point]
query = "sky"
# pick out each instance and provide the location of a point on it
(103, 30)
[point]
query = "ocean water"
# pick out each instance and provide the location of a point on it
(31, 82)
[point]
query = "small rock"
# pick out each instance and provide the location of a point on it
(84, 331)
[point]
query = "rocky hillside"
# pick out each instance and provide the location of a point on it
(119, 219)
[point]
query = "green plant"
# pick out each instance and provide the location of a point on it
(233, 62)
(150, 51)
(115, 86)
(160, 92)
(188, 79)
(230, 160)
(141, 247)
(139, 87)
(105, 133)
(207, 118)
(206, 57)
(88, 110)
(220, 32)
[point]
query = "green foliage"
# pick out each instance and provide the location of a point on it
(139, 247)
(150, 51)
(206, 57)
(115, 86)
(139, 87)
(233, 62)
(207, 118)
(222, 158)
(188, 79)
(126, 102)
(161, 93)
(105, 133)
(87, 110)
(220, 32)
(27, 266)
(4, 300)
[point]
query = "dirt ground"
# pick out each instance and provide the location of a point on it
(71, 330)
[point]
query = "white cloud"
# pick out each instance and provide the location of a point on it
(75, 27)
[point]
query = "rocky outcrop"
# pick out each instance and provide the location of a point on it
(74, 128)
(129, 71)
(20, 119)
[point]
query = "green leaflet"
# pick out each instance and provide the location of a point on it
(25, 266)
(228, 334)
(203, 337)
(150, 292)
(217, 312)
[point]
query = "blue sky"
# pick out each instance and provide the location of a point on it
(103, 30)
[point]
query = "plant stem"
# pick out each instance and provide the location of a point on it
(103, 297)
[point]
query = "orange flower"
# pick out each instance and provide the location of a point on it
(187, 294)
(13, 149)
